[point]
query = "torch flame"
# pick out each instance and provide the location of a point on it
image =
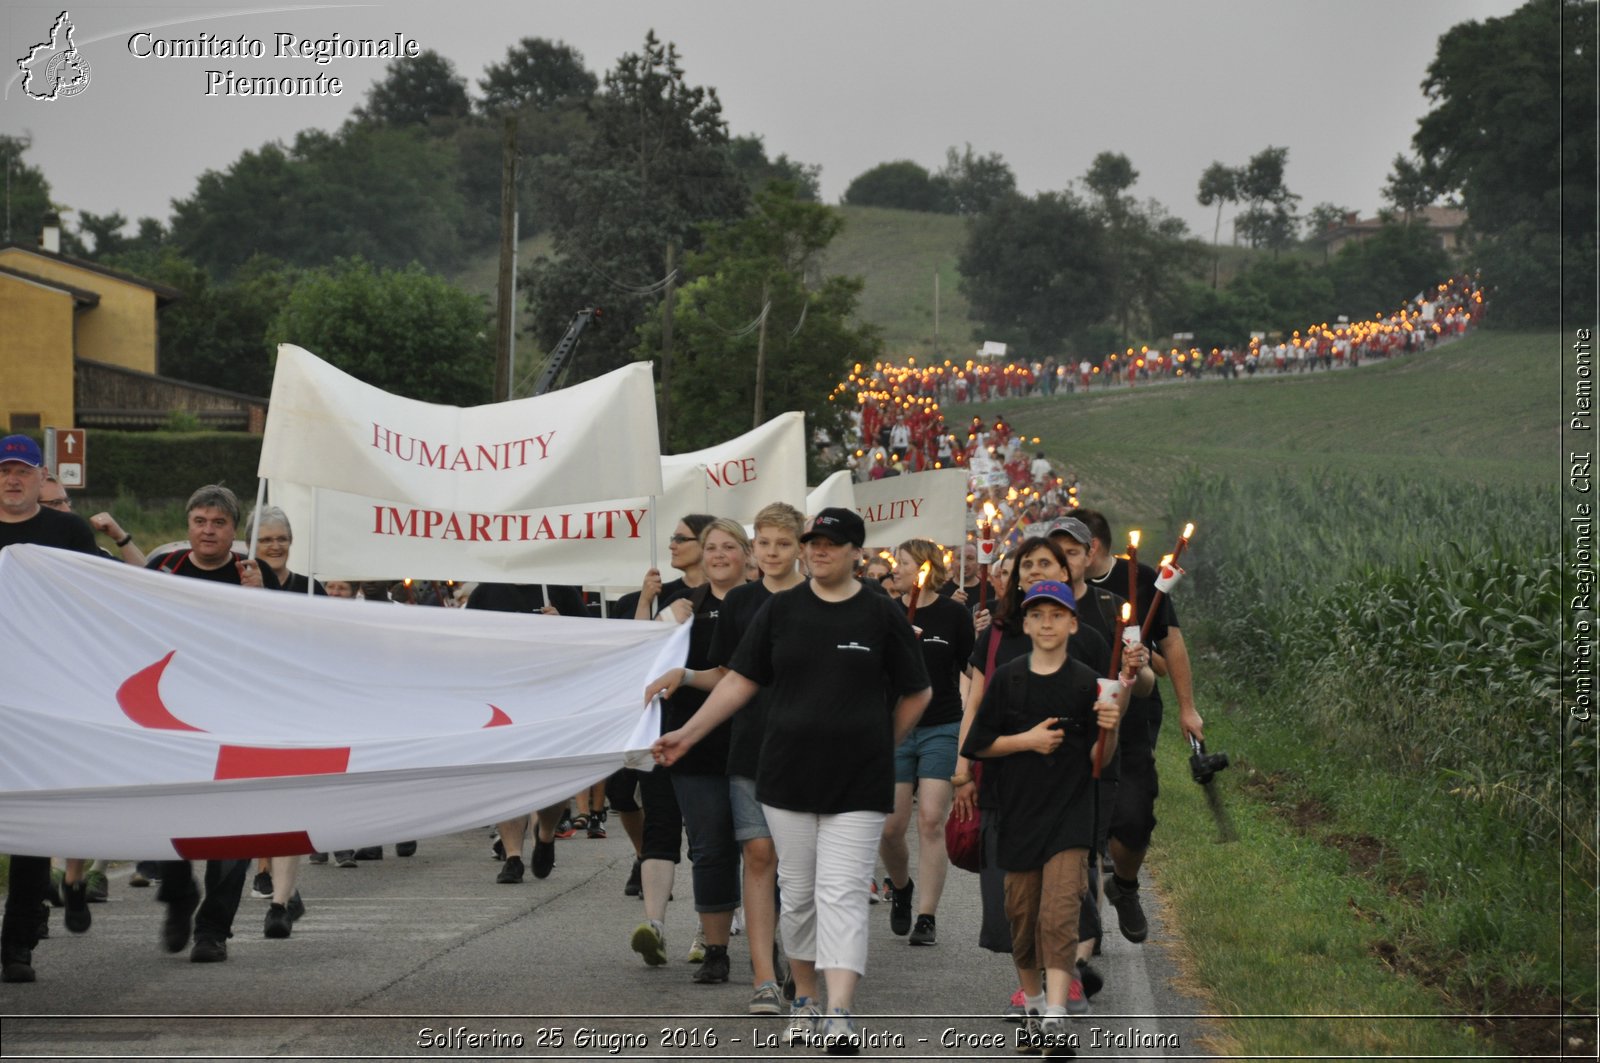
(1133, 538)
(1188, 529)
(1127, 612)
(408, 581)
(922, 574)
(887, 556)
(1166, 559)
(989, 510)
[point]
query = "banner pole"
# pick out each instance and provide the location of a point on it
(311, 561)
(255, 516)
(655, 549)
(603, 603)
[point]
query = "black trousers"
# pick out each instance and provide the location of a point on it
(224, 886)
(19, 928)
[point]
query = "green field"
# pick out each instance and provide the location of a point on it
(1397, 760)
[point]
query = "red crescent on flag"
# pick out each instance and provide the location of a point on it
(140, 698)
(499, 719)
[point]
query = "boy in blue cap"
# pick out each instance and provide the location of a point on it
(1043, 713)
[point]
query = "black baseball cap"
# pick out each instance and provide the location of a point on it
(840, 525)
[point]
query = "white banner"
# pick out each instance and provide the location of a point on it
(163, 717)
(347, 536)
(591, 441)
(922, 505)
(838, 490)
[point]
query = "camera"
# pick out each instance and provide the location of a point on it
(1202, 765)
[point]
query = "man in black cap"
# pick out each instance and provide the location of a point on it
(24, 520)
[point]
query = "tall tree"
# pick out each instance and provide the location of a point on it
(971, 184)
(1409, 187)
(1512, 131)
(810, 332)
(1219, 185)
(1108, 179)
(653, 167)
(26, 192)
(749, 157)
(415, 92)
(406, 331)
(539, 74)
(902, 184)
(1035, 271)
(1268, 220)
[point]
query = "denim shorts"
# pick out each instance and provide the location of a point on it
(749, 821)
(927, 753)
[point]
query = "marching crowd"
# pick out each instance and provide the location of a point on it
(831, 697)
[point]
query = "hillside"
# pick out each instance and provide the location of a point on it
(1479, 409)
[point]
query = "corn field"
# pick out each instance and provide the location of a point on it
(1422, 619)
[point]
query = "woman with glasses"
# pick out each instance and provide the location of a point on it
(683, 548)
(697, 785)
(274, 537)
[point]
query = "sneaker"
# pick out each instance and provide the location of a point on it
(405, 849)
(318, 858)
(767, 999)
(277, 924)
(839, 1034)
(99, 886)
(179, 923)
(17, 966)
(924, 933)
(715, 967)
(138, 880)
(1017, 1009)
(296, 907)
(1130, 916)
(697, 947)
(544, 857)
(262, 886)
(498, 849)
(804, 1017)
(738, 922)
(565, 829)
(345, 858)
(371, 852)
(77, 916)
(635, 886)
(511, 873)
(1092, 982)
(208, 951)
(1053, 1036)
(900, 908)
(597, 827)
(1030, 1040)
(650, 942)
(1077, 1001)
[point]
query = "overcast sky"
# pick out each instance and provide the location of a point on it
(847, 84)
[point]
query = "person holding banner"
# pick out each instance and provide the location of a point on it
(927, 759)
(684, 550)
(697, 783)
(273, 538)
(827, 651)
(777, 552)
(213, 519)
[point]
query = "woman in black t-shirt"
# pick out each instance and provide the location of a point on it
(693, 792)
(828, 651)
(273, 538)
(927, 759)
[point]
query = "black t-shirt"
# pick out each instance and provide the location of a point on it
(1144, 713)
(946, 645)
(297, 584)
(1046, 802)
(739, 611)
(182, 563)
(525, 598)
(51, 527)
(829, 743)
(709, 756)
(629, 603)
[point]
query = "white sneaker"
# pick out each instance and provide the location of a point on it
(738, 922)
(804, 1017)
(839, 1034)
(697, 947)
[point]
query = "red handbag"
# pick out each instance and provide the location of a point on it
(962, 839)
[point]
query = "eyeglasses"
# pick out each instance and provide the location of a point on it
(679, 540)
(56, 503)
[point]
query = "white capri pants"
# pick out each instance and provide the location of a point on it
(824, 866)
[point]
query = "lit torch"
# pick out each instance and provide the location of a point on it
(1133, 570)
(916, 593)
(985, 549)
(411, 595)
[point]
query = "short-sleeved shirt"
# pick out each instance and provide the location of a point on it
(181, 562)
(1046, 801)
(709, 756)
(946, 645)
(738, 612)
(51, 527)
(831, 668)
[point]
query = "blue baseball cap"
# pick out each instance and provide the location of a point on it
(1050, 590)
(21, 448)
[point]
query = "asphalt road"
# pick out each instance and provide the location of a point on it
(416, 957)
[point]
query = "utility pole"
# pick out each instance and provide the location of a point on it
(761, 358)
(666, 346)
(935, 311)
(506, 290)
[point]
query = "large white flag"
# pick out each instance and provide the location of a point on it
(151, 716)
(591, 441)
(355, 536)
(923, 505)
